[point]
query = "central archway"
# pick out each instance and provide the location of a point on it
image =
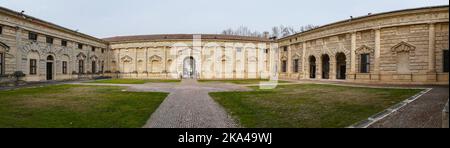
(189, 68)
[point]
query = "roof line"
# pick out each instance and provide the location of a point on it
(363, 17)
(49, 24)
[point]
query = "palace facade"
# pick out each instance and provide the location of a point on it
(406, 46)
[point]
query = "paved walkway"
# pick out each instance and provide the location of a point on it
(188, 104)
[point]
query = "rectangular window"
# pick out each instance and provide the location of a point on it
(365, 63)
(49, 40)
(1, 64)
(284, 67)
(1, 29)
(64, 67)
(103, 50)
(103, 66)
(94, 67)
(80, 46)
(267, 51)
(446, 66)
(296, 65)
(33, 66)
(64, 43)
(32, 36)
(93, 49)
(80, 66)
(285, 49)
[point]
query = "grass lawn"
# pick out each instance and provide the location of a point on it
(70, 106)
(250, 81)
(308, 105)
(132, 81)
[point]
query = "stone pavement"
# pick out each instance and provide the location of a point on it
(188, 104)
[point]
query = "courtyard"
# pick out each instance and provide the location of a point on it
(129, 103)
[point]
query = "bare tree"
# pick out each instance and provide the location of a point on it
(307, 27)
(277, 31)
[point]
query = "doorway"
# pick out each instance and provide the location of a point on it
(189, 71)
(49, 67)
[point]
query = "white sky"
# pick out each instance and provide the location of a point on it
(106, 18)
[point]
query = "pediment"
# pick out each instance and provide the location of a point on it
(155, 58)
(126, 59)
(4, 47)
(81, 56)
(403, 47)
(364, 49)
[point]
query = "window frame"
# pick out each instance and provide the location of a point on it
(93, 49)
(49, 39)
(284, 66)
(80, 46)
(64, 67)
(94, 67)
(33, 67)
(364, 63)
(32, 36)
(2, 63)
(1, 29)
(80, 66)
(64, 43)
(296, 65)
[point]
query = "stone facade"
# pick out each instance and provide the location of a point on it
(402, 47)
(213, 57)
(28, 44)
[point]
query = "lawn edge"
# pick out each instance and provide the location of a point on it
(387, 112)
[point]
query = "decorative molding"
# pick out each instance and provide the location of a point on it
(4, 46)
(94, 58)
(126, 59)
(296, 56)
(81, 56)
(155, 58)
(403, 47)
(364, 49)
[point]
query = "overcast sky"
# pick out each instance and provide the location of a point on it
(106, 18)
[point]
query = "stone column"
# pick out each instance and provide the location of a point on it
(377, 52)
(257, 63)
(353, 55)
(431, 75)
(333, 67)
(234, 63)
(136, 59)
(146, 60)
(245, 62)
(304, 61)
(319, 67)
(289, 62)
